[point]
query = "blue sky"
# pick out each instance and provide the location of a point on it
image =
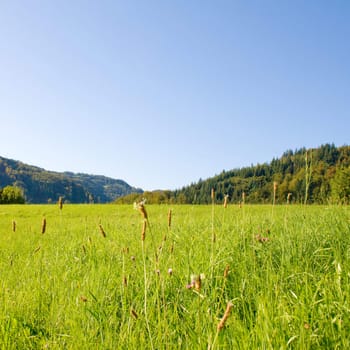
(162, 93)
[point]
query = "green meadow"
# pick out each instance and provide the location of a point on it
(255, 277)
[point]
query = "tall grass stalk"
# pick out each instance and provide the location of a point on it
(308, 174)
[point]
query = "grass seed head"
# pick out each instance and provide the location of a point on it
(103, 233)
(275, 184)
(169, 218)
(143, 232)
(226, 271)
(134, 314)
(226, 315)
(226, 200)
(140, 206)
(60, 202)
(43, 226)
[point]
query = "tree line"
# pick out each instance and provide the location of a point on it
(319, 175)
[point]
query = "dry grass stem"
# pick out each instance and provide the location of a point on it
(14, 226)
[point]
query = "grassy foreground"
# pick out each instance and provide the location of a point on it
(284, 271)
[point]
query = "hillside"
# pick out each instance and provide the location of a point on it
(320, 175)
(42, 186)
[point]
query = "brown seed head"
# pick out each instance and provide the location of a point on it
(43, 226)
(103, 233)
(169, 218)
(60, 202)
(225, 200)
(198, 283)
(134, 314)
(226, 315)
(143, 233)
(226, 271)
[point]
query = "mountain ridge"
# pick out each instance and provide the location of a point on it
(44, 186)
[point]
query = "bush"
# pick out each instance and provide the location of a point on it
(11, 195)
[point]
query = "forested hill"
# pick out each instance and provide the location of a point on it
(42, 186)
(319, 175)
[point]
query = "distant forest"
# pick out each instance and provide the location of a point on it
(21, 183)
(320, 175)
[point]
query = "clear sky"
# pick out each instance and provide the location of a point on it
(161, 93)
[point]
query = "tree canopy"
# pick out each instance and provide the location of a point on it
(11, 195)
(319, 175)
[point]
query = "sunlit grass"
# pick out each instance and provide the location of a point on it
(75, 288)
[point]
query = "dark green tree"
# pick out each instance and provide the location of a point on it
(340, 186)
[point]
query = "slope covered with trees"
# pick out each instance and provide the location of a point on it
(41, 186)
(320, 175)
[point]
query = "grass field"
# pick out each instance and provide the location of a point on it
(283, 270)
